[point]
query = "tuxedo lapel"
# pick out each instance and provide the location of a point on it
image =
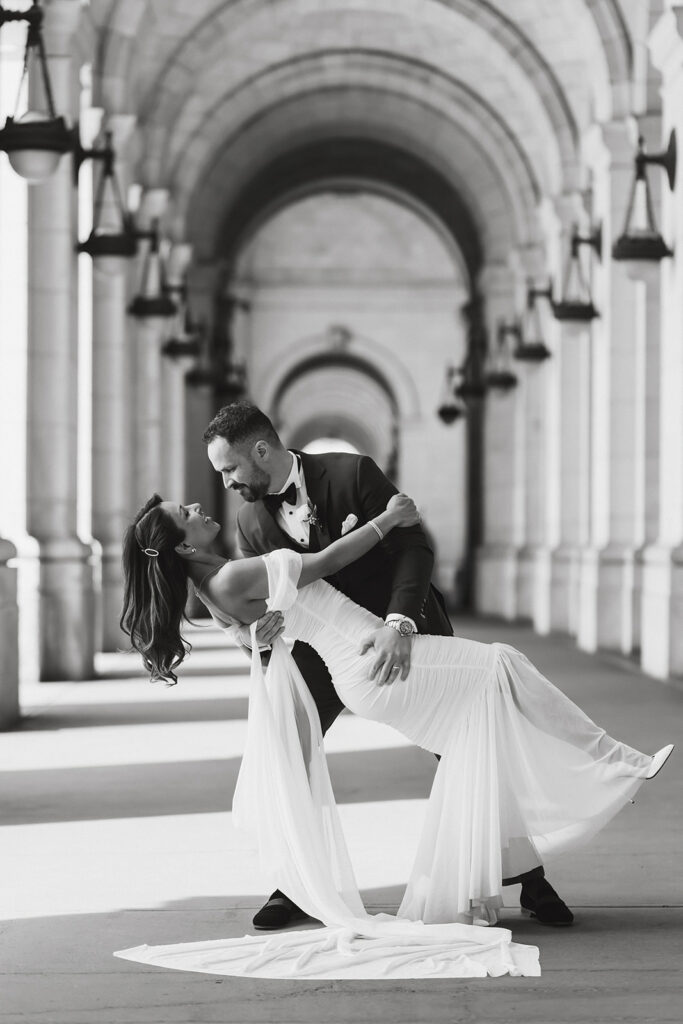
(318, 490)
(273, 534)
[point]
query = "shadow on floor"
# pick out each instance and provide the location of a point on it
(194, 787)
(89, 716)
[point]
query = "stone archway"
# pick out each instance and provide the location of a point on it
(353, 300)
(338, 396)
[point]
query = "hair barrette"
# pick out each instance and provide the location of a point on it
(151, 552)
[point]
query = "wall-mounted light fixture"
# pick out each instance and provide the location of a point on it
(187, 337)
(185, 342)
(203, 373)
(153, 299)
(231, 375)
(530, 346)
(499, 375)
(36, 141)
(113, 236)
(472, 384)
(640, 239)
(576, 303)
(216, 366)
(450, 409)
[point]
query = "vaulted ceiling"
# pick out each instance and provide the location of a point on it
(473, 108)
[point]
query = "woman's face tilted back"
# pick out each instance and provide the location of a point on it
(157, 547)
(199, 529)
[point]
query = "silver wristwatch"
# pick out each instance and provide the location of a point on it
(402, 626)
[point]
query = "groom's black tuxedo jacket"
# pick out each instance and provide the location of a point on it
(395, 576)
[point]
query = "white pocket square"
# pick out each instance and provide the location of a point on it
(349, 523)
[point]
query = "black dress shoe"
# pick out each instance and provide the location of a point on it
(539, 900)
(277, 912)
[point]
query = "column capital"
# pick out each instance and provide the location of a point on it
(650, 127)
(612, 144)
(665, 41)
(59, 24)
(154, 203)
(178, 261)
(529, 260)
(90, 125)
(121, 127)
(496, 278)
(569, 209)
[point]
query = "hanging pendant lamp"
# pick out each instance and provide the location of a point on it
(576, 304)
(641, 239)
(36, 141)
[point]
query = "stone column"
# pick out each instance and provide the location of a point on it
(174, 418)
(573, 354)
(606, 574)
(496, 562)
(9, 638)
(148, 336)
(568, 464)
(111, 418)
(662, 599)
(174, 365)
(12, 362)
(533, 562)
(65, 587)
(202, 482)
(647, 284)
(536, 386)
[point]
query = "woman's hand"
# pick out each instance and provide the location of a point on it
(404, 510)
(268, 628)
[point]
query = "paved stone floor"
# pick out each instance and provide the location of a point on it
(116, 830)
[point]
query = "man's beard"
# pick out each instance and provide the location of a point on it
(258, 486)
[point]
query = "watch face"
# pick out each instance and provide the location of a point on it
(405, 629)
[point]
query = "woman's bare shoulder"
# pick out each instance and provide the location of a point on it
(239, 579)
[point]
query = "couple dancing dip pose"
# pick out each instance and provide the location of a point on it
(336, 560)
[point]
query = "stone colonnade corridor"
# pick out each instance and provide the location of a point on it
(119, 832)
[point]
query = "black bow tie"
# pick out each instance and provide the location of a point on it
(274, 501)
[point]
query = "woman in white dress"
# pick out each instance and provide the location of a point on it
(523, 772)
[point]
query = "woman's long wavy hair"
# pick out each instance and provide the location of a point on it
(155, 591)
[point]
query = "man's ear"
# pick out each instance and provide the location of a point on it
(261, 450)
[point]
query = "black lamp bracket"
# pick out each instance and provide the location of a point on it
(533, 293)
(509, 329)
(179, 289)
(151, 234)
(666, 158)
(105, 153)
(594, 240)
(34, 15)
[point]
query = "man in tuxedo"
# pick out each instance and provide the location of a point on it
(301, 501)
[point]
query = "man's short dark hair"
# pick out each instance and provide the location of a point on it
(241, 422)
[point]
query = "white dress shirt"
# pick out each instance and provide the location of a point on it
(291, 518)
